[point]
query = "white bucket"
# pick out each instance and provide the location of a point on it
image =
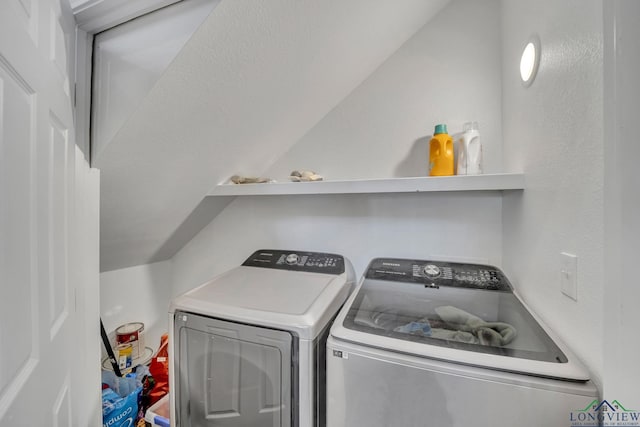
(132, 333)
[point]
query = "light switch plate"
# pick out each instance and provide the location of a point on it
(569, 275)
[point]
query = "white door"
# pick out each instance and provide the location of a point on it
(47, 219)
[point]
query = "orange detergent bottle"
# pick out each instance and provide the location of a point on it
(441, 152)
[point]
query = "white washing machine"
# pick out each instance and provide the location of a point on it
(248, 347)
(423, 343)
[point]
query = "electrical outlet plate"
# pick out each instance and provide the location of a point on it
(569, 275)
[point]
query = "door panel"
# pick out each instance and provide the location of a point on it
(231, 374)
(58, 52)
(222, 355)
(18, 313)
(39, 199)
(61, 413)
(57, 204)
(27, 16)
(269, 366)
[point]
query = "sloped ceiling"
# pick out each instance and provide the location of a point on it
(248, 85)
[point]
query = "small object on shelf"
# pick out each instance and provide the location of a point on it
(237, 179)
(441, 152)
(470, 150)
(305, 176)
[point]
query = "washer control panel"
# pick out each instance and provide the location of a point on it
(438, 273)
(313, 262)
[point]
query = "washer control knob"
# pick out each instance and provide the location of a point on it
(292, 259)
(431, 270)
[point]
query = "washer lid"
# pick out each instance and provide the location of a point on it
(298, 301)
(471, 324)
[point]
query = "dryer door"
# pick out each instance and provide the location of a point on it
(231, 374)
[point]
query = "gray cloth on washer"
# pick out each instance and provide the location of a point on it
(472, 329)
(451, 335)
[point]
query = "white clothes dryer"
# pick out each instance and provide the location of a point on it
(248, 347)
(423, 343)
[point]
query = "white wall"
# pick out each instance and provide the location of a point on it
(622, 201)
(252, 80)
(130, 58)
(137, 294)
(359, 227)
(448, 72)
(553, 131)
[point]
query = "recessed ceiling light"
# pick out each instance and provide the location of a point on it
(530, 61)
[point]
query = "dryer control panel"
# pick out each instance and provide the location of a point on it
(313, 262)
(438, 273)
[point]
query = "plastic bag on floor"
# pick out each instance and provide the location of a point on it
(120, 400)
(119, 412)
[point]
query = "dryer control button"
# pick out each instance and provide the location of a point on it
(292, 259)
(431, 270)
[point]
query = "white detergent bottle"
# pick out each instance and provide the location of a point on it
(470, 150)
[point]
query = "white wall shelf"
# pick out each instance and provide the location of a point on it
(489, 182)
